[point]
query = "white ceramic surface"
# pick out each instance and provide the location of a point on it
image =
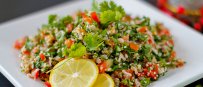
(188, 43)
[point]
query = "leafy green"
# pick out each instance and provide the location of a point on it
(95, 6)
(127, 82)
(52, 18)
(109, 11)
(105, 6)
(145, 82)
(28, 44)
(77, 50)
(93, 41)
(109, 16)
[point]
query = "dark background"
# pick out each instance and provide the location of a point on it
(10, 9)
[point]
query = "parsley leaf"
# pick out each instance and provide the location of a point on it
(77, 50)
(109, 11)
(95, 6)
(92, 41)
(105, 6)
(145, 82)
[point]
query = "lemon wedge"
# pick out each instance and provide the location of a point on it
(74, 73)
(104, 80)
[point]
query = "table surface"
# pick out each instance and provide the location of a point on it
(11, 9)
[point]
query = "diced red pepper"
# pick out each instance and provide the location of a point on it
(171, 42)
(47, 84)
(102, 67)
(164, 32)
(134, 46)
(26, 52)
(19, 43)
(86, 18)
(36, 73)
(153, 74)
(69, 43)
(42, 56)
(173, 54)
(95, 17)
(142, 29)
(69, 28)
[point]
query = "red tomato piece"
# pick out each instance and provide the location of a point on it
(42, 56)
(134, 46)
(47, 84)
(102, 67)
(69, 43)
(26, 52)
(36, 73)
(19, 43)
(69, 27)
(142, 29)
(95, 17)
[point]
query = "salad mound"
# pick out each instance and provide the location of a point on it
(130, 49)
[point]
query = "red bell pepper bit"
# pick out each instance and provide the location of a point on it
(36, 73)
(42, 56)
(19, 43)
(102, 67)
(95, 17)
(47, 84)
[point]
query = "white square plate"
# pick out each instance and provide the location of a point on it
(188, 43)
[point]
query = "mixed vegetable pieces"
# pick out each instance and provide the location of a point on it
(130, 49)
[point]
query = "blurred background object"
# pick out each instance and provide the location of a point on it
(189, 12)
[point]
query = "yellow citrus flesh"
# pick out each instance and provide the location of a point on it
(104, 80)
(74, 73)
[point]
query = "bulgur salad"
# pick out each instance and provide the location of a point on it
(131, 50)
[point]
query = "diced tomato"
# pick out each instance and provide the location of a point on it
(153, 74)
(129, 71)
(164, 32)
(171, 42)
(26, 52)
(47, 84)
(86, 18)
(42, 56)
(36, 73)
(102, 67)
(140, 74)
(145, 70)
(69, 27)
(134, 46)
(156, 68)
(19, 43)
(142, 29)
(151, 41)
(69, 43)
(95, 17)
(173, 55)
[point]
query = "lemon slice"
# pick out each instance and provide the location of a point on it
(104, 80)
(74, 73)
